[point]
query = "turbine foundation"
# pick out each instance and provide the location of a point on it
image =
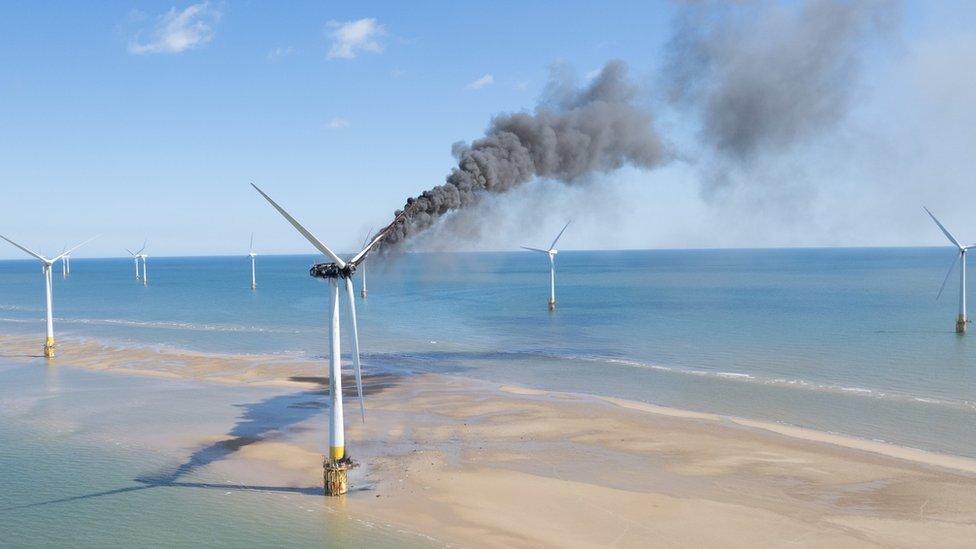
(254, 286)
(363, 293)
(334, 475)
(49, 348)
(961, 324)
(552, 304)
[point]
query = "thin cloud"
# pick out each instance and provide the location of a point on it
(353, 37)
(279, 52)
(485, 80)
(178, 30)
(337, 124)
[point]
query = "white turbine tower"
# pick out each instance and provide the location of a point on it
(135, 256)
(145, 269)
(64, 263)
(338, 461)
(252, 255)
(48, 283)
(362, 272)
(551, 252)
(962, 319)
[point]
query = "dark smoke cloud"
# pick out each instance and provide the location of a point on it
(765, 77)
(573, 132)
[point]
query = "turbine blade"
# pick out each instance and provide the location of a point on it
(355, 347)
(534, 249)
(35, 254)
(144, 242)
(308, 236)
(944, 230)
(560, 234)
(358, 258)
(130, 251)
(368, 234)
(250, 249)
(75, 248)
(946, 279)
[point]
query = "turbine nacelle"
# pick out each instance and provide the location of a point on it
(331, 270)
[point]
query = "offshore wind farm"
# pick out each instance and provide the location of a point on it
(748, 348)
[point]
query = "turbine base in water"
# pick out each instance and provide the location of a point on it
(334, 475)
(552, 304)
(254, 286)
(363, 293)
(961, 324)
(49, 348)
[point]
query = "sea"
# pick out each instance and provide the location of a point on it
(843, 340)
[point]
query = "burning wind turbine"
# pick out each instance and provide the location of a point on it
(551, 252)
(48, 286)
(962, 319)
(338, 461)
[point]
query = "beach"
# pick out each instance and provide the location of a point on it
(464, 462)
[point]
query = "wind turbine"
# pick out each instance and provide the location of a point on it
(362, 292)
(961, 320)
(338, 462)
(551, 252)
(64, 263)
(252, 255)
(48, 283)
(135, 256)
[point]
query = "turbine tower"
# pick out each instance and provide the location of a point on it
(252, 255)
(962, 319)
(551, 252)
(338, 461)
(48, 286)
(135, 256)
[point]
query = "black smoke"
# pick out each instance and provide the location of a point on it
(574, 132)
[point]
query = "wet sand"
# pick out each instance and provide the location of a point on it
(477, 464)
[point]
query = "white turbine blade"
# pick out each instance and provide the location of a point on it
(356, 259)
(308, 236)
(368, 234)
(559, 235)
(144, 242)
(946, 279)
(37, 255)
(251, 247)
(357, 368)
(534, 249)
(944, 230)
(75, 248)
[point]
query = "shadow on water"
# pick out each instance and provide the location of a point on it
(259, 421)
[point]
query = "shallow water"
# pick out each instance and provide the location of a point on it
(102, 460)
(844, 340)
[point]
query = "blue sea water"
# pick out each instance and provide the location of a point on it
(843, 340)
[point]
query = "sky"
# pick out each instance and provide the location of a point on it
(148, 120)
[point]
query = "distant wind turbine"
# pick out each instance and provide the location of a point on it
(551, 252)
(252, 255)
(48, 283)
(362, 272)
(145, 269)
(64, 262)
(338, 461)
(962, 319)
(135, 256)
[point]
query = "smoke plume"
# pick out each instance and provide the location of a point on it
(574, 132)
(763, 78)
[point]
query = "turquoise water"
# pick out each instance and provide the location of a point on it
(844, 340)
(100, 460)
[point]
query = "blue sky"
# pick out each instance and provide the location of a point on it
(123, 119)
